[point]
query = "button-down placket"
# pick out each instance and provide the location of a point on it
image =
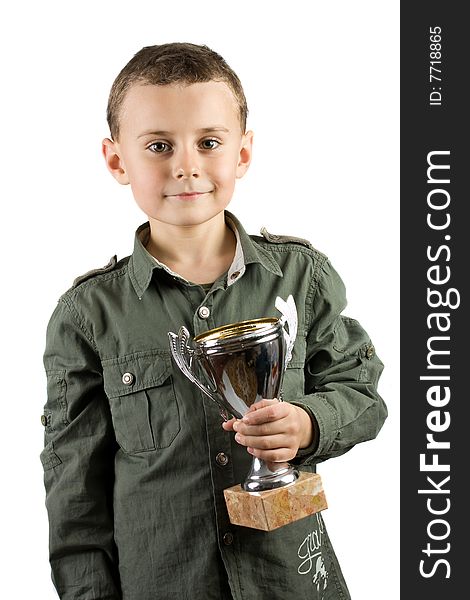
(220, 444)
(203, 318)
(219, 441)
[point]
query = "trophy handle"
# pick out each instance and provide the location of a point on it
(288, 311)
(184, 355)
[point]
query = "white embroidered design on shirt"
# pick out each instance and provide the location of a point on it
(310, 552)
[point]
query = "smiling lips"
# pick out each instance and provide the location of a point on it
(188, 195)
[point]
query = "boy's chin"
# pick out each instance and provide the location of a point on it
(189, 216)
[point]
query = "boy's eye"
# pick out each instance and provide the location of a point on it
(158, 147)
(210, 144)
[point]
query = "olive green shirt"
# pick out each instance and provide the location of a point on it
(135, 458)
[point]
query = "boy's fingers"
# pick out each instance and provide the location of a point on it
(228, 425)
(276, 455)
(265, 413)
(269, 442)
(262, 404)
(264, 428)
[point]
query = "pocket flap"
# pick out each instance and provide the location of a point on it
(133, 372)
(49, 458)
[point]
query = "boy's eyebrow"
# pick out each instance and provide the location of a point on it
(202, 130)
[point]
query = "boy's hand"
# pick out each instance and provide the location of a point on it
(273, 430)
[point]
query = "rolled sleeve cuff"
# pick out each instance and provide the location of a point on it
(325, 424)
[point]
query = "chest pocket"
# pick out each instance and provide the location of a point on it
(142, 399)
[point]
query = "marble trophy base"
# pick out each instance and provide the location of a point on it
(275, 508)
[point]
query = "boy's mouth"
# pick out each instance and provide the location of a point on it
(188, 195)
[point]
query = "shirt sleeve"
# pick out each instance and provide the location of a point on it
(78, 462)
(342, 371)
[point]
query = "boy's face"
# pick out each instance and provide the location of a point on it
(181, 149)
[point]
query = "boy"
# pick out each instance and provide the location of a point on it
(136, 459)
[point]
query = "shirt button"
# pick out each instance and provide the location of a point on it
(228, 538)
(221, 459)
(234, 275)
(370, 352)
(204, 312)
(128, 379)
(44, 420)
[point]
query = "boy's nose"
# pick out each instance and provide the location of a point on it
(182, 173)
(186, 165)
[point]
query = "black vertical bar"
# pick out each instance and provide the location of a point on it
(435, 329)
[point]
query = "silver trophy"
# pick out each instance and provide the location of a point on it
(239, 364)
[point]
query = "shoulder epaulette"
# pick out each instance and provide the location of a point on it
(284, 239)
(109, 267)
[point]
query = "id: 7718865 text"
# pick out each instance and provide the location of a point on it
(435, 63)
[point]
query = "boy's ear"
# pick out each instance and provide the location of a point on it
(114, 161)
(245, 154)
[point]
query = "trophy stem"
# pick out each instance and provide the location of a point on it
(265, 475)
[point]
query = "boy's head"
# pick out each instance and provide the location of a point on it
(176, 63)
(177, 117)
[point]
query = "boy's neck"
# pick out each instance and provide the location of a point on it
(199, 253)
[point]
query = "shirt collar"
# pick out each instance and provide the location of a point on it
(142, 263)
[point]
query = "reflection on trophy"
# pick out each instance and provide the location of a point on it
(237, 365)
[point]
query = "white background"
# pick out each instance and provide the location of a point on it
(321, 79)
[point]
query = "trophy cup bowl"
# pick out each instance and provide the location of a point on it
(239, 365)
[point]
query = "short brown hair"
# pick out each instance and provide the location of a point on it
(178, 62)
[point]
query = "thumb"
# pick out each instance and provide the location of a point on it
(228, 425)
